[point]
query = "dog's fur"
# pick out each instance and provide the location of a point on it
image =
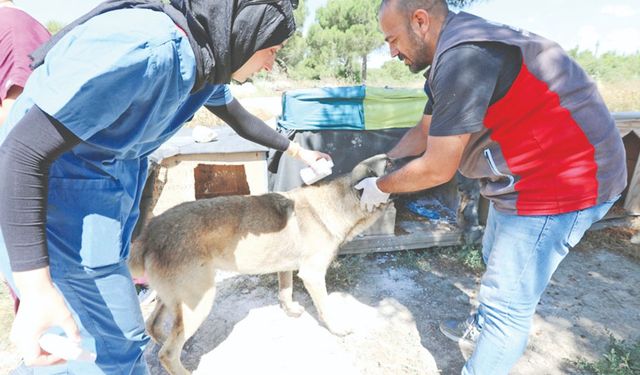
(302, 229)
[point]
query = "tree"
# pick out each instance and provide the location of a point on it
(294, 49)
(461, 3)
(345, 31)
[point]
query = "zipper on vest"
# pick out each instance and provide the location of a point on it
(494, 168)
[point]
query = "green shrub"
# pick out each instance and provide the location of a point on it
(620, 359)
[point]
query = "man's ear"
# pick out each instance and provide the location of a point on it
(420, 22)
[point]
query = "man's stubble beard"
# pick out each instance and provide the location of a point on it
(419, 52)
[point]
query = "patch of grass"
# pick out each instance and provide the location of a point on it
(345, 271)
(620, 359)
(470, 256)
(413, 260)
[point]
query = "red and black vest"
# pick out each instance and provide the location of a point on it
(550, 145)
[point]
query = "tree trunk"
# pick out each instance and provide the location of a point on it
(364, 69)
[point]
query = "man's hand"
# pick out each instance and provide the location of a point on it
(41, 307)
(372, 196)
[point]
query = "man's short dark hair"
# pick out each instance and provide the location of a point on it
(409, 6)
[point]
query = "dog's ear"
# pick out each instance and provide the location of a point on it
(374, 166)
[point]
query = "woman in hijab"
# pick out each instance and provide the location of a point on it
(106, 92)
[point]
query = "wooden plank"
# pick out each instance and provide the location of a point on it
(629, 126)
(632, 200)
(409, 241)
(215, 180)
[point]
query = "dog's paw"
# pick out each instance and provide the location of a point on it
(292, 309)
(339, 329)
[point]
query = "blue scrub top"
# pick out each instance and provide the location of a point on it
(123, 91)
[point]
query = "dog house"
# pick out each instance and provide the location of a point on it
(629, 125)
(183, 170)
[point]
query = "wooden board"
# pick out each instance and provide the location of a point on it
(213, 180)
(410, 234)
(632, 199)
(629, 127)
(376, 244)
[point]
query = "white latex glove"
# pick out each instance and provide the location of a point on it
(309, 157)
(372, 196)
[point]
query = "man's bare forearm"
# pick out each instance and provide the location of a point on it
(413, 142)
(435, 167)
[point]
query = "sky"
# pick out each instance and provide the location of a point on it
(596, 25)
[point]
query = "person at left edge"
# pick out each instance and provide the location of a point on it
(20, 34)
(107, 91)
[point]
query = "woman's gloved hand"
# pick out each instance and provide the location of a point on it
(309, 157)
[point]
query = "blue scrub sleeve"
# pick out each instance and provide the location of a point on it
(91, 83)
(220, 96)
(25, 156)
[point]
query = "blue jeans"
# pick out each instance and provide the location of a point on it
(521, 254)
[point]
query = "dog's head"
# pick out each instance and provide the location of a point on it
(374, 166)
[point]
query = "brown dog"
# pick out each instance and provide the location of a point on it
(181, 249)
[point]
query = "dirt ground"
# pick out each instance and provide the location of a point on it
(394, 302)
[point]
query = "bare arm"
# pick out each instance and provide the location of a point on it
(7, 103)
(414, 141)
(435, 167)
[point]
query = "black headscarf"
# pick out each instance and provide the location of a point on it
(223, 34)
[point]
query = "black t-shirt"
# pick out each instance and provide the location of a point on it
(467, 80)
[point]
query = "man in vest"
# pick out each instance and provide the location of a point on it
(510, 109)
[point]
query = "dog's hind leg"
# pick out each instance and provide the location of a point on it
(315, 283)
(188, 316)
(169, 354)
(285, 294)
(154, 322)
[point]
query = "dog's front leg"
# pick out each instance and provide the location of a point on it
(316, 286)
(285, 295)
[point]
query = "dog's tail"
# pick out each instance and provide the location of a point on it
(136, 257)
